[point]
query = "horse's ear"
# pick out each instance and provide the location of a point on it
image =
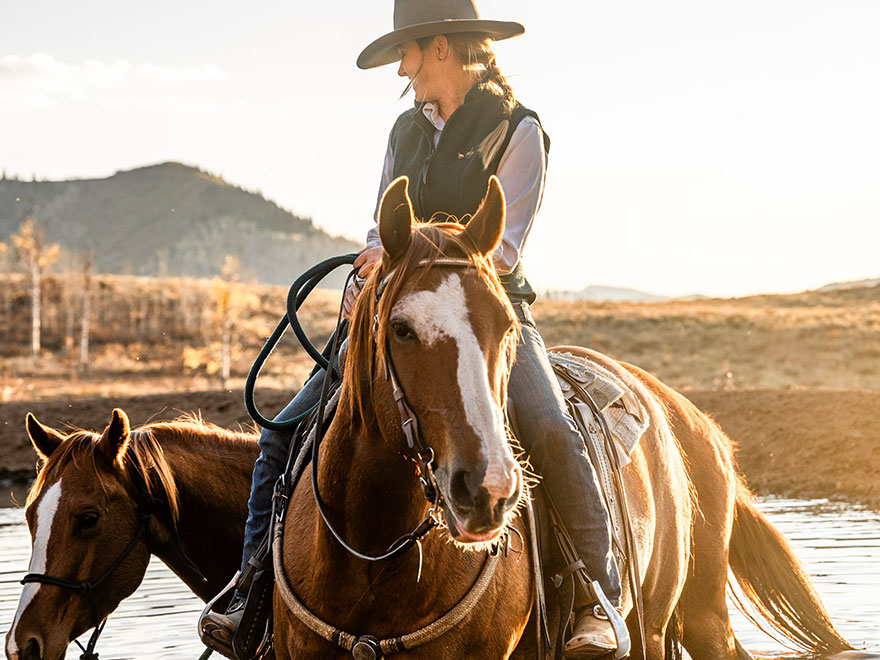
(487, 225)
(396, 218)
(44, 439)
(114, 441)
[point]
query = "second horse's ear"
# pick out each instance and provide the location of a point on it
(114, 441)
(487, 225)
(44, 439)
(396, 219)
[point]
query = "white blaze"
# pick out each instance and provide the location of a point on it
(45, 517)
(444, 313)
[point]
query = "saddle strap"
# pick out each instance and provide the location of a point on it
(541, 625)
(629, 536)
(595, 441)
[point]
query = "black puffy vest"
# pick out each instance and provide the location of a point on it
(451, 179)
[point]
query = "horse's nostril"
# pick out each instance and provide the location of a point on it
(500, 509)
(504, 504)
(32, 650)
(459, 490)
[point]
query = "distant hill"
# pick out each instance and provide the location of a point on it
(607, 293)
(170, 219)
(852, 284)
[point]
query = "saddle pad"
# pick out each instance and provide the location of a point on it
(624, 415)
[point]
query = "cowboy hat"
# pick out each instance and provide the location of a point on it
(415, 19)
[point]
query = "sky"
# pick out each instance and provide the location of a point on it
(722, 148)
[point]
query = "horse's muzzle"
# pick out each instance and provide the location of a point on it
(479, 511)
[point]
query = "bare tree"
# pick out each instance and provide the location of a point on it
(86, 313)
(35, 256)
(231, 300)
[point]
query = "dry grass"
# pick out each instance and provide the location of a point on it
(142, 328)
(144, 334)
(813, 339)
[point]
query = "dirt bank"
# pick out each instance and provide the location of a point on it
(800, 442)
(803, 442)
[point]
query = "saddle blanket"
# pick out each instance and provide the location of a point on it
(624, 415)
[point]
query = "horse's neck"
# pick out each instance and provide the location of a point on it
(372, 496)
(369, 489)
(213, 482)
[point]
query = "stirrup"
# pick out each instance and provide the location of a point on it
(253, 636)
(208, 640)
(618, 625)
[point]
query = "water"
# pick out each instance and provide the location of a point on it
(839, 544)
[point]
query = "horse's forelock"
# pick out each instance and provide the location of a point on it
(430, 241)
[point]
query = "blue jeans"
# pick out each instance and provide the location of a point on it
(270, 464)
(557, 452)
(547, 433)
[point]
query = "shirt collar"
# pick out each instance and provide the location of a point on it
(433, 114)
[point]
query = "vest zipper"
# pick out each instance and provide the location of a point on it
(431, 156)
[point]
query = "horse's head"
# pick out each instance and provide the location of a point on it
(449, 331)
(83, 516)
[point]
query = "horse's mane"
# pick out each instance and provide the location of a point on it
(370, 318)
(145, 454)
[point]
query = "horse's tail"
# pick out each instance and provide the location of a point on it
(775, 583)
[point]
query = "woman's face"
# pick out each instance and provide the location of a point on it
(421, 67)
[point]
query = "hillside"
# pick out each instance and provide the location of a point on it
(170, 220)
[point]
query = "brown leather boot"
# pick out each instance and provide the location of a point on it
(592, 637)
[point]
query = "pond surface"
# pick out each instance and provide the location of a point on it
(839, 544)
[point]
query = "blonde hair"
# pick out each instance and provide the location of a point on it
(477, 57)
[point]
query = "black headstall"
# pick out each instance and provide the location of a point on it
(144, 512)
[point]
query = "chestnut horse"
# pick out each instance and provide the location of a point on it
(84, 511)
(447, 332)
(441, 333)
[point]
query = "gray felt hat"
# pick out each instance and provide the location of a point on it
(415, 19)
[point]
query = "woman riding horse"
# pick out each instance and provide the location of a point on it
(467, 126)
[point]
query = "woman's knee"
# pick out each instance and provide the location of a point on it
(558, 443)
(273, 443)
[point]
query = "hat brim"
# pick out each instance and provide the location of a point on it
(384, 49)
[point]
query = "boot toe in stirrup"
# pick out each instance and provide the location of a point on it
(593, 637)
(218, 630)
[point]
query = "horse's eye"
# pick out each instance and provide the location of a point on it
(87, 520)
(402, 330)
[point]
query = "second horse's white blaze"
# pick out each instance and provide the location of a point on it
(443, 313)
(46, 510)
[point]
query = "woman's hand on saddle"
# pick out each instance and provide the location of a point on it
(366, 261)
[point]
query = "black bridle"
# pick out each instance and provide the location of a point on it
(144, 512)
